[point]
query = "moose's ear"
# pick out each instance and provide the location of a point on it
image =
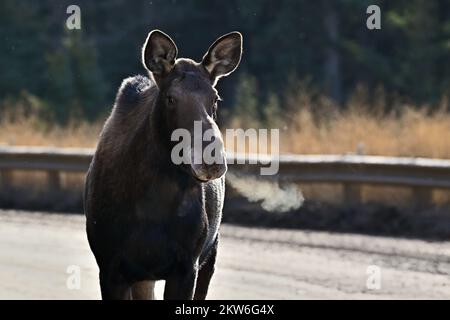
(223, 56)
(159, 53)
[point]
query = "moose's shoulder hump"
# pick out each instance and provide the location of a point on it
(132, 91)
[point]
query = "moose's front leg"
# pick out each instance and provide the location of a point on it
(205, 274)
(181, 285)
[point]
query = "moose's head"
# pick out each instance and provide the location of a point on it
(188, 99)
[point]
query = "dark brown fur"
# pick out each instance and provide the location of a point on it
(148, 219)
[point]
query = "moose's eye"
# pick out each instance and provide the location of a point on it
(170, 100)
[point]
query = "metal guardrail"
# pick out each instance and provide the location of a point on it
(421, 174)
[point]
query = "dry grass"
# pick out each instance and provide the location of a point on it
(29, 131)
(311, 125)
(411, 133)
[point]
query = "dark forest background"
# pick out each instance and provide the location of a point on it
(323, 43)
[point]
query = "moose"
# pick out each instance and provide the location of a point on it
(149, 219)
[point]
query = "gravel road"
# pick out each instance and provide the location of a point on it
(38, 249)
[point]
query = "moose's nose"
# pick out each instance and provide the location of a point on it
(209, 172)
(207, 154)
(210, 168)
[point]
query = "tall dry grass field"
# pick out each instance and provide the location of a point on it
(309, 124)
(411, 133)
(312, 124)
(16, 129)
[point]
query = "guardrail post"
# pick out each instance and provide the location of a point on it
(352, 193)
(5, 178)
(54, 181)
(422, 197)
